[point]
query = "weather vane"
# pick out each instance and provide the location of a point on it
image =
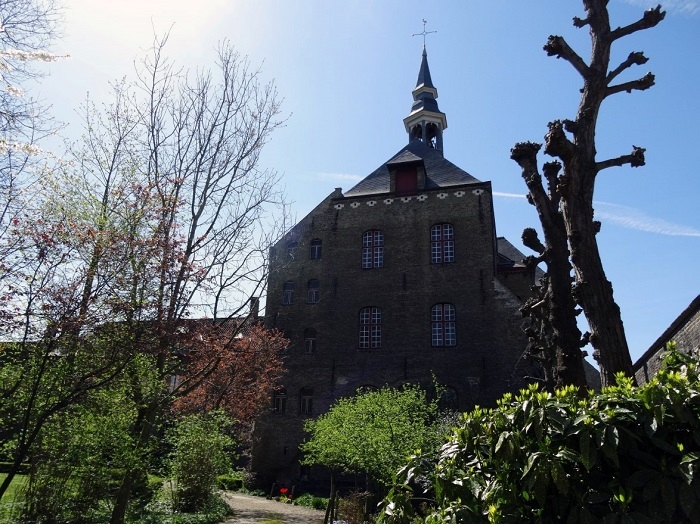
(424, 32)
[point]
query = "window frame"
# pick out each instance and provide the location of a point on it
(370, 328)
(442, 243)
(279, 401)
(288, 289)
(443, 325)
(306, 399)
(313, 291)
(310, 341)
(315, 249)
(372, 249)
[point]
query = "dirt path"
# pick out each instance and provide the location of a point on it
(254, 510)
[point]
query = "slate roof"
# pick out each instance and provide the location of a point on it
(509, 252)
(439, 172)
(424, 73)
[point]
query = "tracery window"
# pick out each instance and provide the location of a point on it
(442, 243)
(370, 328)
(372, 249)
(443, 325)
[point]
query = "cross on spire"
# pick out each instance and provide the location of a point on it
(424, 32)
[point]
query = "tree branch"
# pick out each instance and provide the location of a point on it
(555, 142)
(634, 58)
(651, 18)
(635, 85)
(635, 159)
(557, 46)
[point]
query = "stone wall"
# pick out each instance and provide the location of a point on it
(480, 368)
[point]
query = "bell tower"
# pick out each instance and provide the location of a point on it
(425, 122)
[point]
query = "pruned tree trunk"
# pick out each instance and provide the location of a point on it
(575, 186)
(557, 337)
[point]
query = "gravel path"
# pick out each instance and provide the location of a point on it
(248, 509)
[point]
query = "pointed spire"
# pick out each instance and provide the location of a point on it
(425, 122)
(424, 73)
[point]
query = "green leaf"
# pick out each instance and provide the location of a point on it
(559, 478)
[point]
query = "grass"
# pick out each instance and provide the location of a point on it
(272, 518)
(15, 487)
(11, 497)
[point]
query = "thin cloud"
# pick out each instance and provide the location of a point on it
(630, 218)
(340, 176)
(508, 195)
(688, 7)
(634, 219)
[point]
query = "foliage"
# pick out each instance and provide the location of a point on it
(309, 501)
(215, 510)
(83, 452)
(201, 451)
(627, 454)
(247, 369)
(230, 481)
(374, 432)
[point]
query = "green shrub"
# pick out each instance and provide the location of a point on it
(627, 454)
(200, 453)
(230, 482)
(309, 501)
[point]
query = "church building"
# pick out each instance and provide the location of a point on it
(397, 280)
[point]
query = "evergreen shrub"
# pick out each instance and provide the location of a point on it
(628, 454)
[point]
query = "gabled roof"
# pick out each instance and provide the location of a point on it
(438, 171)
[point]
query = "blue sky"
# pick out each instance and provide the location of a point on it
(346, 70)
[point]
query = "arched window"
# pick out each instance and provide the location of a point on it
(442, 322)
(309, 340)
(370, 328)
(315, 252)
(313, 294)
(288, 293)
(279, 401)
(292, 249)
(442, 243)
(306, 400)
(372, 249)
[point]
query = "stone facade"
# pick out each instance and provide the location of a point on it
(401, 279)
(685, 331)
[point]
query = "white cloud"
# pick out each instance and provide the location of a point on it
(689, 7)
(635, 219)
(340, 176)
(509, 195)
(630, 218)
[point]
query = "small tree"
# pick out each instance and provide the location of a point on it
(374, 432)
(201, 451)
(568, 205)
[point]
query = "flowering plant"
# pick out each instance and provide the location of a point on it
(284, 496)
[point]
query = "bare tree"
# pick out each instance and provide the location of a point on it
(198, 140)
(571, 192)
(554, 338)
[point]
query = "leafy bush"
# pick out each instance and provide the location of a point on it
(627, 454)
(200, 453)
(309, 501)
(230, 481)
